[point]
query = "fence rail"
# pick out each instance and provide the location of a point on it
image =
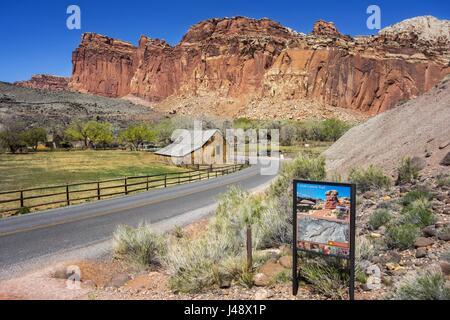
(69, 194)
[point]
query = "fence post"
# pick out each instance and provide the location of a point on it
(99, 197)
(126, 186)
(21, 199)
(199, 175)
(67, 195)
(147, 183)
(165, 180)
(179, 178)
(208, 175)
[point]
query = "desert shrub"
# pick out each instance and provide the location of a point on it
(370, 178)
(303, 167)
(442, 181)
(408, 171)
(22, 210)
(193, 265)
(178, 232)
(202, 263)
(327, 277)
(327, 130)
(333, 129)
(274, 226)
(197, 265)
(426, 285)
(140, 247)
(416, 194)
(235, 269)
(418, 213)
(401, 236)
(365, 250)
(282, 277)
(379, 218)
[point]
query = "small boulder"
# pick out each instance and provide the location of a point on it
(446, 160)
(444, 235)
(271, 268)
(286, 262)
(261, 280)
(429, 231)
(445, 267)
(118, 280)
(393, 257)
(375, 235)
(263, 294)
(423, 242)
(421, 253)
(369, 195)
(392, 266)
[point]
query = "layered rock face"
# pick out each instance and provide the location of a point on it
(45, 82)
(241, 60)
(103, 66)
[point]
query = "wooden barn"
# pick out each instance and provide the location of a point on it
(207, 147)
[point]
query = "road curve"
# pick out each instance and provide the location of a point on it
(27, 238)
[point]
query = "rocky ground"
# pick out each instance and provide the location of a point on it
(109, 279)
(391, 266)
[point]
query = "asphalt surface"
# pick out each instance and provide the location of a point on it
(26, 238)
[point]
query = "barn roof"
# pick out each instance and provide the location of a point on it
(180, 148)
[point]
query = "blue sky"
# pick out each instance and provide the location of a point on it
(34, 37)
(318, 191)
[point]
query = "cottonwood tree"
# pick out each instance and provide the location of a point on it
(11, 135)
(32, 137)
(94, 131)
(99, 132)
(137, 134)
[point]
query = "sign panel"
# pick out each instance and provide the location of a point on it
(324, 223)
(323, 218)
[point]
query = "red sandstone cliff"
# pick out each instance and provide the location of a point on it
(45, 82)
(241, 59)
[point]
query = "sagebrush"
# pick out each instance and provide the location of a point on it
(371, 178)
(140, 246)
(426, 285)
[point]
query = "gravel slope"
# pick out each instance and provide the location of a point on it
(419, 128)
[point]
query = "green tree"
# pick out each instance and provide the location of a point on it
(164, 130)
(333, 129)
(77, 131)
(33, 136)
(136, 134)
(99, 132)
(11, 136)
(94, 131)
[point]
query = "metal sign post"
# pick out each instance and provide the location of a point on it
(330, 208)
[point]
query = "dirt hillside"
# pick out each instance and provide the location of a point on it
(418, 128)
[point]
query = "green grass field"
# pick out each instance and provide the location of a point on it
(55, 168)
(35, 170)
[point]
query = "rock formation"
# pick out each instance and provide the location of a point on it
(45, 82)
(331, 200)
(243, 64)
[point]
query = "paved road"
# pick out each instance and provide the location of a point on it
(27, 238)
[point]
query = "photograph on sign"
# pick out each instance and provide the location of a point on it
(323, 218)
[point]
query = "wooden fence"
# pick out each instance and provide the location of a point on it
(65, 195)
